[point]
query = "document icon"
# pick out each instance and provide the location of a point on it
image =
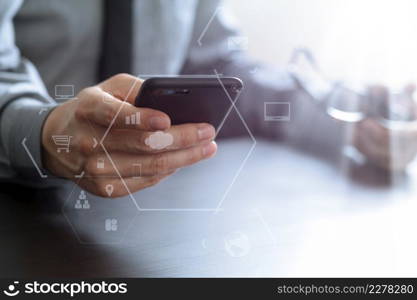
(136, 170)
(238, 43)
(100, 163)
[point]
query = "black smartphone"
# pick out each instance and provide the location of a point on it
(190, 99)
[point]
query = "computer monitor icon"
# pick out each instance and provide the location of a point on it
(64, 91)
(277, 111)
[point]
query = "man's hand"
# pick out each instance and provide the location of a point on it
(389, 148)
(107, 105)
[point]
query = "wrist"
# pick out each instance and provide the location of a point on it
(21, 124)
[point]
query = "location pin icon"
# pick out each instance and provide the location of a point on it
(109, 189)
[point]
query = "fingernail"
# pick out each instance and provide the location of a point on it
(209, 149)
(206, 132)
(159, 123)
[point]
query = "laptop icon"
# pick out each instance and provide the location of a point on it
(277, 111)
(64, 91)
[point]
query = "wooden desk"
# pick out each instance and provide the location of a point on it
(287, 214)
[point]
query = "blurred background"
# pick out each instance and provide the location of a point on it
(359, 41)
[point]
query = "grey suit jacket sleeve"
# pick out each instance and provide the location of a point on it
(24, 105)
(210, 51)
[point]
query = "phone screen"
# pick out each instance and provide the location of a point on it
(191, 100)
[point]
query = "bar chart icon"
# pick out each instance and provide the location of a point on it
(136, 170)
(133, 119)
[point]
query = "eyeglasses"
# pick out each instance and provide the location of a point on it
(392, 109)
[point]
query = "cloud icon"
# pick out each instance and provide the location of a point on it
(159, 140)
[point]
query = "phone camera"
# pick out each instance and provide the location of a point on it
(163, 92)
(170, 92)
(236, 88)
(183, 91)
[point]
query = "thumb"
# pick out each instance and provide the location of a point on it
(122, 86)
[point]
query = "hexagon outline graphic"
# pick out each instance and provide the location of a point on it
(205, 29)
(218, 206)
(27, 150)
(83, 242)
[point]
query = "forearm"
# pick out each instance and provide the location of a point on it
(24, 105)
(21, 127)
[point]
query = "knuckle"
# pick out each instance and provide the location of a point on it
(184, 139)
(137, 145)
(88, 167)
(84, 93)
(85, 145)
(101, 188)
(87, 100)
(109, 114)
(152, 181)
(91, 168)
(160, 163)
(79, 112)
(87, 95)
(81, 109)
(122, 76)
(195, 155)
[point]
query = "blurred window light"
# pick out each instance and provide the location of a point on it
(372, 41)
(361, 41)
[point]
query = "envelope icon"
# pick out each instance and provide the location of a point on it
(238, 43)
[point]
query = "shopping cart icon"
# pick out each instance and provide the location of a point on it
(62, 141)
